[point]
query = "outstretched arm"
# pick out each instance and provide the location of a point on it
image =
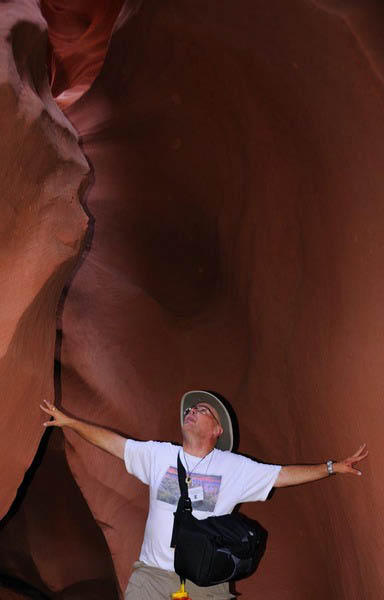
(297, 474)
(98, 436)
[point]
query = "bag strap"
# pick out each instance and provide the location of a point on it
(184, 505)
(181, 473)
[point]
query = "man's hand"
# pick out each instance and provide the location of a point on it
(98, 436)
(59, 418)
(347, 465)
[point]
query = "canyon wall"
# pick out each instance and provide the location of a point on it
(234, 243)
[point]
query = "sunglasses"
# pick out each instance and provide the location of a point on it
(203, 410)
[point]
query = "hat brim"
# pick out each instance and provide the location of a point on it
(225, 441)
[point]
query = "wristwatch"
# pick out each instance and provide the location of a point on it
(330, 467)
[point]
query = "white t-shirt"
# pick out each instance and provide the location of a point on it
(221, 481)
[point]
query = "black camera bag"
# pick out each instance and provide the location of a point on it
(217, 549)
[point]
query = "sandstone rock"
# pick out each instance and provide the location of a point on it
(237, 246)
(237, 233)
(79, 34)
(42, 173)
(50, 540)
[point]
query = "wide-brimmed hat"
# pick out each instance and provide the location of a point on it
(225, 441)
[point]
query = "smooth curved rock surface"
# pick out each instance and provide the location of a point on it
(49, 540)
(237, 233)
(78, 34)
(237, 246)
(42, 171)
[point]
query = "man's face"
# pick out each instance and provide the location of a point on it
(202, 419)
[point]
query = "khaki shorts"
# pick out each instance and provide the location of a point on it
(150, 583)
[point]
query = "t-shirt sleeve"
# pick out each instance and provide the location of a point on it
(257, 479)
(138, 457)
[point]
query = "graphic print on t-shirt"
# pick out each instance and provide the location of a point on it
(169, 490)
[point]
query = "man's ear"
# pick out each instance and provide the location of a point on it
(219, 430)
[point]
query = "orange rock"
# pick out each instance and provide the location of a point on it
(43, 224)
(237, 263)
(235, 244)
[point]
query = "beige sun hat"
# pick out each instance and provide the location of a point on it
(190, 399)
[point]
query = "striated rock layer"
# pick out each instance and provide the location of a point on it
(48, 539)
(42, 172)
(78, 33)
(235, 244)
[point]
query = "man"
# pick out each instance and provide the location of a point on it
(218, 480)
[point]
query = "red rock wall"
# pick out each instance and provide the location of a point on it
(78, 33)
(42, 227)
(43, 179)
(49, 539)
(236, 245)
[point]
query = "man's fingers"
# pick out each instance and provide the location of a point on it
(48, 408)
(49, 411)
(48, 404)
(358, 456)
(356, 472)
(352, 461)
(355, 459)
(362, 456)
(360, 450)
(351, 470)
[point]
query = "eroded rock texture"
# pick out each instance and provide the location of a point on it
(78, 33)
(42, 226)
(43, 176)
(49, 539)
(236, 244)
